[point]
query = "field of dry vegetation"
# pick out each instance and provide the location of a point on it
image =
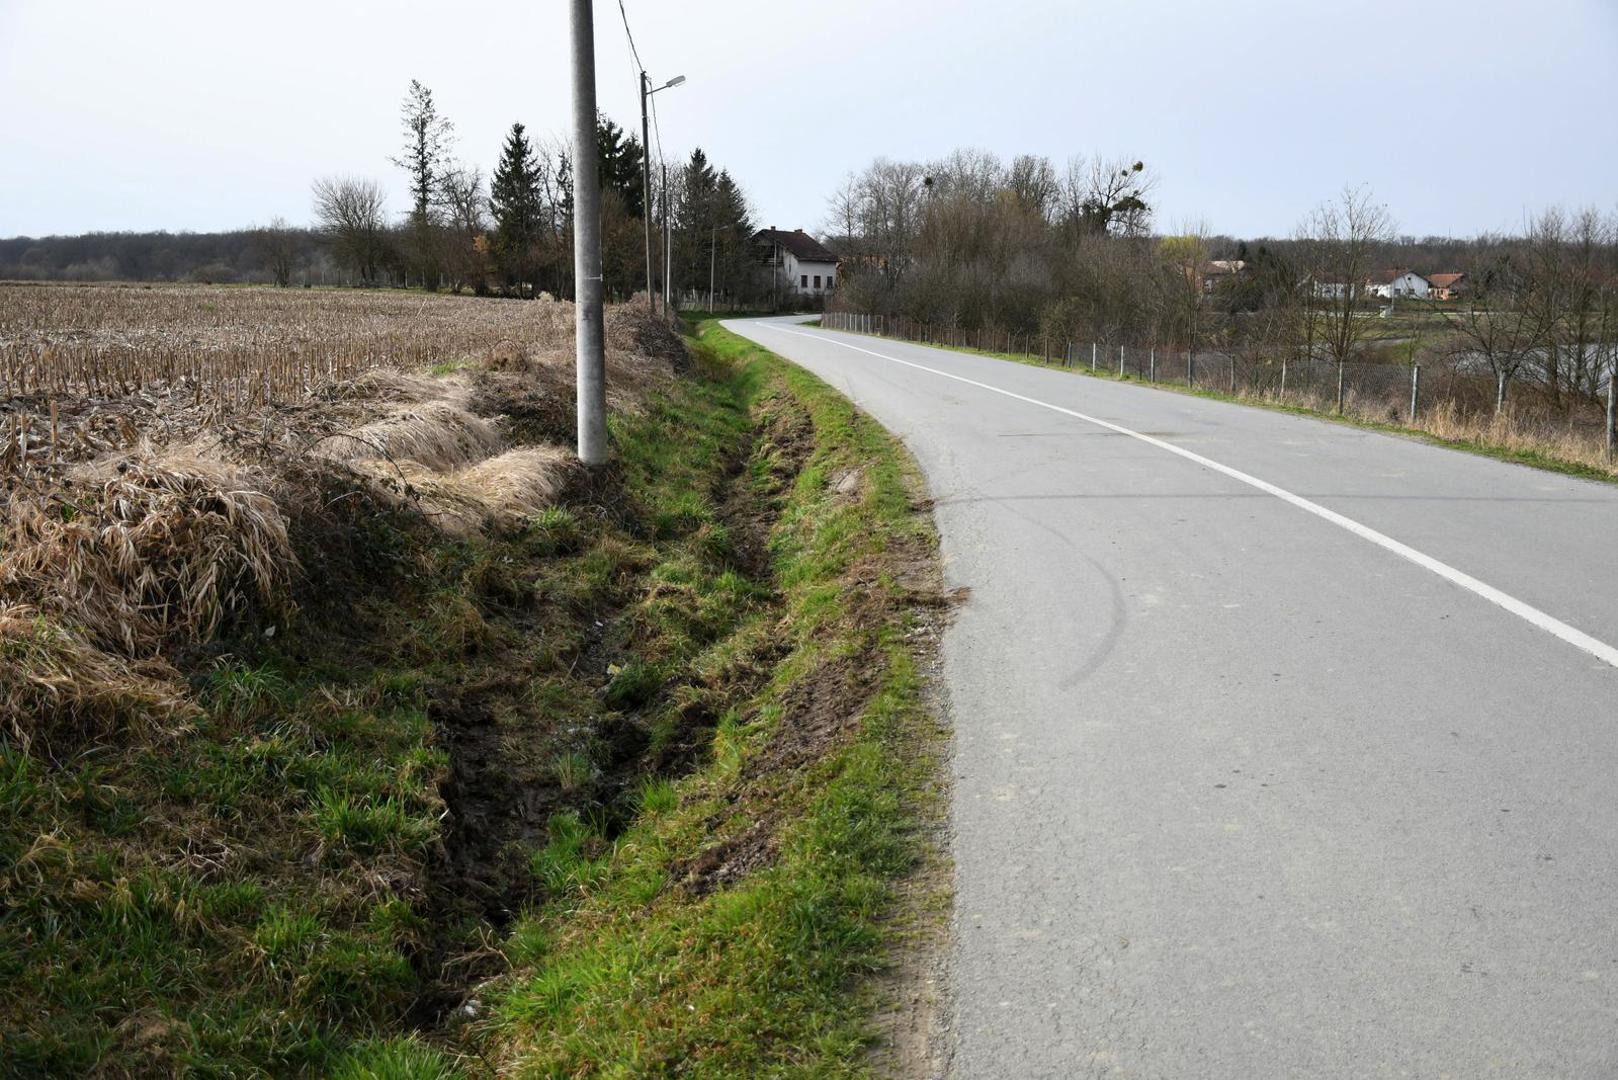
(160, 444)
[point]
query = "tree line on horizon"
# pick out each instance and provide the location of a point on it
(508, 233)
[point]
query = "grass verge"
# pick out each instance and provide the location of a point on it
(733, 928)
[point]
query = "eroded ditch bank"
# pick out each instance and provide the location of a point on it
(780, 910)
(631, 783)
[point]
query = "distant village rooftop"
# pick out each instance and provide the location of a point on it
(803, 247)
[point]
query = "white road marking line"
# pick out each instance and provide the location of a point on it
(1527, 612)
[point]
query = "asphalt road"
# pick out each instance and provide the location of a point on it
(1243, 787)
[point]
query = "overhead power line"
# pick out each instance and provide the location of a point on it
(630, 34)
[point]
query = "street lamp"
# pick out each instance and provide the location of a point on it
(646, 91)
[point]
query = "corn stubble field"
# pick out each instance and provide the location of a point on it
(157, 441)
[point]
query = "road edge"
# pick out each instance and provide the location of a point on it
(1531, 459)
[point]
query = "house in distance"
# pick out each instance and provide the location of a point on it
(1448, 286)
(801, 264)
(1394, 283)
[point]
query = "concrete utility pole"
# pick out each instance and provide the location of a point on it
(646, 186)
(668, 250)
(646, 92)
(588, 329)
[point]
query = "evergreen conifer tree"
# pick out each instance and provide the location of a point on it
(518, 210)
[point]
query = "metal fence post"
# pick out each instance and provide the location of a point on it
(1612, 410)
(1415, 391)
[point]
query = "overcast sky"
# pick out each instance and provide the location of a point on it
(1461, 115)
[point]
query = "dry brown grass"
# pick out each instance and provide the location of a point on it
(499, 492)
(1515, 433)
(435, 434)
(56, 686)
(148, 551)
(155, 444)
(387, 384)
(1519, 429)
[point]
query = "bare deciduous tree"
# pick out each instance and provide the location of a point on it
(1591, 241)
(350, 214)
(1033, 183)
(1342, 241)
(1500, 325)
(893, 195)
(462, 199)
(843, 213)
(1102, 195)
(277, 245)
(1564, 253)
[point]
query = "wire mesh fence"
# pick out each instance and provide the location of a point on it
(1446, 400)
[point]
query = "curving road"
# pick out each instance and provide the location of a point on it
(1282, 748)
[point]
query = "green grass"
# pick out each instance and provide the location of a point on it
(634, 970)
